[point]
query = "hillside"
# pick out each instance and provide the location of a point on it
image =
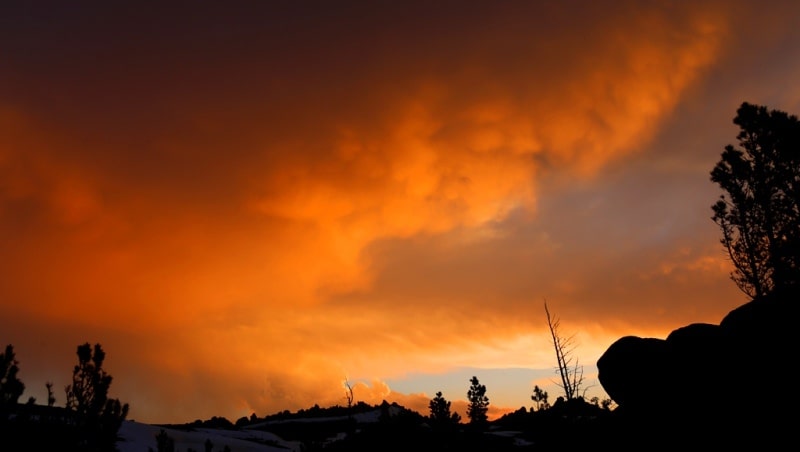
(382, 427)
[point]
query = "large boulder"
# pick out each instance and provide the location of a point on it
(630, 368)
(731, 382)
(651, 375)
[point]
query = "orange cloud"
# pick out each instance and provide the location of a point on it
(243, 227)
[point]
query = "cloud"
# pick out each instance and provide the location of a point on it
(252, 212)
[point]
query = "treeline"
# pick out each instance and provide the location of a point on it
(89, 421)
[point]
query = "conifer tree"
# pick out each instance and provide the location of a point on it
(759, 213)
(440, 412)
(478, 403)
(11, 387)
(540, 398)
(98, 416)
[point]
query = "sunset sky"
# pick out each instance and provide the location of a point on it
(249, 202)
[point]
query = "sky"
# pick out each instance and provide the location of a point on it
(249, 204)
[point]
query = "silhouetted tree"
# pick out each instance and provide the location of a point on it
(11, 387)
(569, 370)
(540, 399)
(478, 403)
(440, 412)
(759, 214)
(208, 445)
(99, 417)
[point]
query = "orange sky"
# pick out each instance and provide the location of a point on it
(246, 204)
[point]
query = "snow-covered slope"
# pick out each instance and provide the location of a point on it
(137, 437)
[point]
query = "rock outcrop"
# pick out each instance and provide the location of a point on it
(723, 385)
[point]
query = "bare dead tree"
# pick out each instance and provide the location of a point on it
(349, 393)
(570, 371)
